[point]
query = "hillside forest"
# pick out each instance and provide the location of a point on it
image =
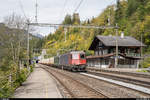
(13, 53)
(132, 17)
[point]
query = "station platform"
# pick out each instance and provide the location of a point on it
(38, 85)
(117, 69)
(123, 70)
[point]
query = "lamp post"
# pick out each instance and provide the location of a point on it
(116, 58)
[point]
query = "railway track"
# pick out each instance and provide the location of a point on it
(133, 87)
(78, 85)
(75, 88)
(145, 82)
(141, 75)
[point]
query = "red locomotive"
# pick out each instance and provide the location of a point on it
(73, 61)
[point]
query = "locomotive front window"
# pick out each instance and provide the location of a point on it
(82, 56)
(75, 56)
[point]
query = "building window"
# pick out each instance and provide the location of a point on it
(100, 44)
(109, 50)
(105, 51)
(82, 56)
(121, 61)
(96, 52)
(125, 62)
(106, 61)
(100, 52)
(132, 62)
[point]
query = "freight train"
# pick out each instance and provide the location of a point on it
(73, 61)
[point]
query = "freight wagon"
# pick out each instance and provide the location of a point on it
(73, 61)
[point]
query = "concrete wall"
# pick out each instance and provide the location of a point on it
(96, 63)
(126, 66)
(101, 64)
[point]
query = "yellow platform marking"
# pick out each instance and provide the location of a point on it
(46, 90)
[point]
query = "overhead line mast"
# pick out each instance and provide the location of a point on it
(36, 6)
(74, 26)
(116, 58)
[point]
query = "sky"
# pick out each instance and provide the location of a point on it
(52, 11)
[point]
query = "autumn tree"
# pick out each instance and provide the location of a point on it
(76, 19)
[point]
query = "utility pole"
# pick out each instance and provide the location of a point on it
(36, 6)
(116, 58)
(28, 44)
(65, 29)
(141, 49)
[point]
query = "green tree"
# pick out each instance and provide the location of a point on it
(132, 6)
(118, 13)
(68, 19)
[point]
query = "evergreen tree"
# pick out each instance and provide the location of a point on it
(67, 19)
(118, 14)
(132, 6)
(88, 21)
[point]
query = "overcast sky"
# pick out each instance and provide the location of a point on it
(53, 11)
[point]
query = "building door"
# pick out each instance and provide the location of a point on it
(111, 63)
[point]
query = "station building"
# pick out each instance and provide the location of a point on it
(104, 47)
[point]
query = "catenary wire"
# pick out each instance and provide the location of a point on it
(62, 11)
(21, 6)
(78, 6)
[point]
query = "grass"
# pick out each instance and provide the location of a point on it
(142, 71)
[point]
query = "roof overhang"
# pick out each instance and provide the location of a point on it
(113, 54)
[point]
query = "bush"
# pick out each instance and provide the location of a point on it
(22, 76)
(6, 92)
(31, 68)
(146, 63)
(142, 71)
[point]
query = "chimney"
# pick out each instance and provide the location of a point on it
(122, 34)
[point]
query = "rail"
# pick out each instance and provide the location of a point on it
(75, 85)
